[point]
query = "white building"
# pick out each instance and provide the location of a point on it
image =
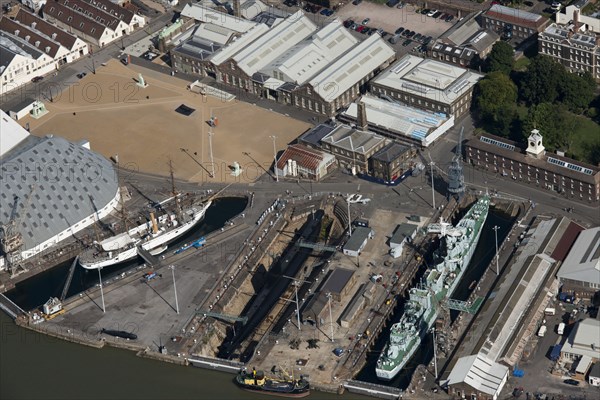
(584, 340)
(479, 373)
(63, 186)
(97, 21)
(50, 39)
(201, 13)
(33, 5)
(20, 62)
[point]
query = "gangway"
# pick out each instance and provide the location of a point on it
(225, 317)
(316, 246)
(69, 279)
(149, 258)
(9, 307)
(465, 306)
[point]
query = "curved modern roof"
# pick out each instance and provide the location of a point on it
(70, 183)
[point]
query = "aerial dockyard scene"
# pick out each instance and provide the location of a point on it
(356, 199)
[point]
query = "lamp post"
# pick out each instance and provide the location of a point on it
(273, 138)
(432, 187)
(330, 313)
(101, 290)
(172, 268)
(212, 163)
(434, 354)
(495, 228)
(349, 219)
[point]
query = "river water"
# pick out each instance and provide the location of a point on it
(35, 366)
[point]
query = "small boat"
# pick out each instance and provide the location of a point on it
(257, 381)
(472, 285)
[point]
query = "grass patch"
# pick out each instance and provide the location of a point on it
(585, 135)
(521, 64)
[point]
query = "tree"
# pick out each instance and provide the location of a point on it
(495, 102)
(501, 58)
(554, 122)
(542, 80)
(577, 91)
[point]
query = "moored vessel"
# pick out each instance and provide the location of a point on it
(451, 261)
(257, 381)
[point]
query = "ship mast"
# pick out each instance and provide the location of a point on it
(121, 196)
(174, 192)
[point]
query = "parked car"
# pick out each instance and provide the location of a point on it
(425, 11)
(399, 30)
(449, 18)
(125, 61)
(360, 28)
(81, 75)
(37, 79)
(528, 3)
(400, 5)
(348, 23)
(437, 14)
(417, 37)
(384, 34)
(366, 21)
(356, 2)
(392, 3)
(406, 42)
(431, 13)
(556, 6)
(354, 26)
(571, 382)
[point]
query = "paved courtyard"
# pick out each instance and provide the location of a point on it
(141, 125)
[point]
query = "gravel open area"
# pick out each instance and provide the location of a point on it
(141, 125)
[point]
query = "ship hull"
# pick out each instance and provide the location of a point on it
(152, 244)
(458, 266)
(273, 387)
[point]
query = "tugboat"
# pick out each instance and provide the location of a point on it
(257, 381)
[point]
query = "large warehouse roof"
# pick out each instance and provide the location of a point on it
(11, 133)
(431, 79)
(583, 262)
(274, 43)
(67, 182)
(299, 63)
(352, 67)
(480, 373)
(239, 44)
(205, 14)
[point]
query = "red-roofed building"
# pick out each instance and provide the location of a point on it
(299, 160)
(522, 24)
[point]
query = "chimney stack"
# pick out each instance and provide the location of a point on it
(236, 9)
(361, 117)
(576, 23)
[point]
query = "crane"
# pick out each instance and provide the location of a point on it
(11, 238)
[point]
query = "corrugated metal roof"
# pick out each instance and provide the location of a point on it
(305, 157)
(583, 262)
(70, 184)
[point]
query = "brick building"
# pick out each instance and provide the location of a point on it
(552, 172)
(427, 84)
(522, 24)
